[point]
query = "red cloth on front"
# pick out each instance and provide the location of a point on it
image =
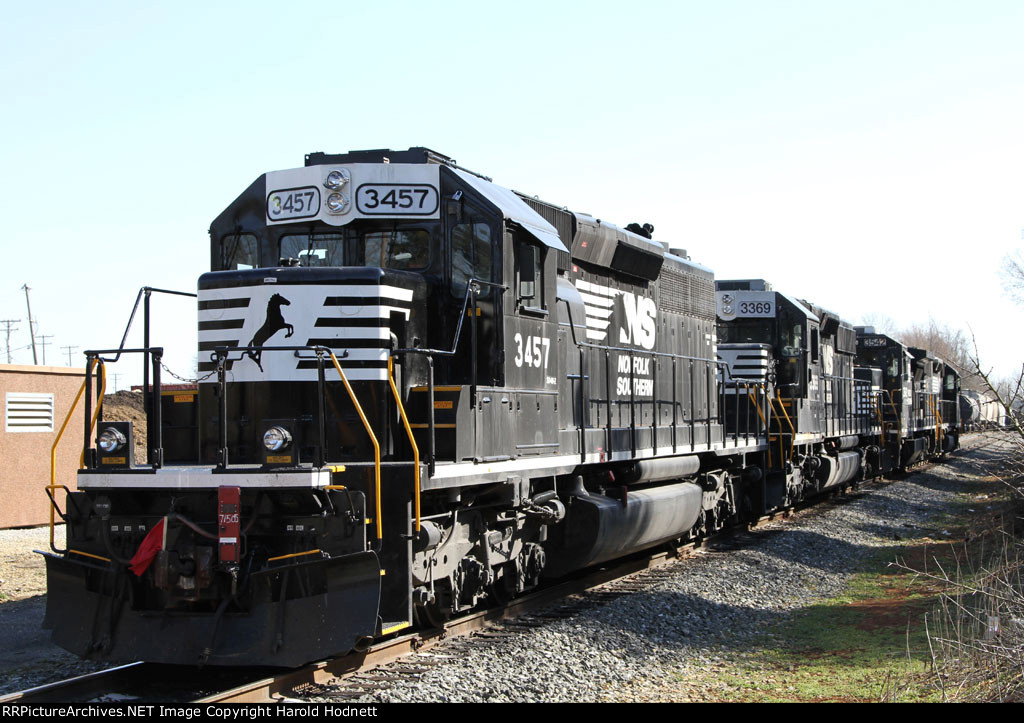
(151, 545)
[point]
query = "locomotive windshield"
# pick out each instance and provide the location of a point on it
(321, 249)
(239, 251)
(399, 246)
(885, 358)
(741, 331)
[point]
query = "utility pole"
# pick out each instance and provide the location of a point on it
(35, 359)
(116, 377)
(8, 323)
(69, 349)
(43, 343)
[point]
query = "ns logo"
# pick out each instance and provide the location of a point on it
(641, 321)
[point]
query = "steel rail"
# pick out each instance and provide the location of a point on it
(281, 687)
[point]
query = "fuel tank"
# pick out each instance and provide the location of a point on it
(599, 528)
(841, 469)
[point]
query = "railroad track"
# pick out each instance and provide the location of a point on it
(169, 683)
(151, 682)
(361, 673)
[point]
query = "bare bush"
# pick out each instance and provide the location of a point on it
(976, 633)
(1013, 276)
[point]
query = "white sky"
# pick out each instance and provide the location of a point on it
(865, 155)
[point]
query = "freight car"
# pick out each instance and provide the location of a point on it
(981, 410)
(421, 391)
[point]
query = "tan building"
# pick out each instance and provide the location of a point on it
(36, 400)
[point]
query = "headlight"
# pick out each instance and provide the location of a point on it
(336, 179)
(111, 440)
(726, 309)
(276, 439)
(726, 298)
(337, 203)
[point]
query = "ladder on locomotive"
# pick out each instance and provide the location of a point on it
(781, 433)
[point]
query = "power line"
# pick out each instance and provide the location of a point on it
(69, 349)
(8, 323)
(43, 343)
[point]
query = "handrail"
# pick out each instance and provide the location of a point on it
(721, 367)
(412, 440)
(764, 422)
(373, 438)
(938, 421)
(221, 354)
(472, 289)
(53, 458)
(840, 386)
(899, 417)
(792, 429)
(143, 292)
(99, 405)
(458, 329)
(878, 412)
(153, 412)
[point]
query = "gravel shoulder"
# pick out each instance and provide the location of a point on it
(27, 657)
(686, 635)
(669, 642)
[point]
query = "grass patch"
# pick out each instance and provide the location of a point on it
(869, 643)
(846, 648)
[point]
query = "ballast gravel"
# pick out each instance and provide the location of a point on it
(707, 612)
(693, 617)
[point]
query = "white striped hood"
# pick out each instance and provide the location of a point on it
(352, 316)
(746, 361)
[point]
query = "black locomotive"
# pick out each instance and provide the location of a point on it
(422, 391)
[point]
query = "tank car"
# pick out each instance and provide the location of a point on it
(970, 409)
(992, 414)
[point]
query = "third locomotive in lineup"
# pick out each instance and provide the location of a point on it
(422, 392)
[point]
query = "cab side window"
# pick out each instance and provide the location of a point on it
(530, 275)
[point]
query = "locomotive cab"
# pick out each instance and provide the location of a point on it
(910, 398)
(750, 312)
(420, 246)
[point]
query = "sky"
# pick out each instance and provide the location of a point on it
(864, 155)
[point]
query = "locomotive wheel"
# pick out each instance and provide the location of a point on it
(438, 611)
(431, 616)
(503, 588)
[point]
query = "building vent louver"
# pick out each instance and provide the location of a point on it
(29, 412)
